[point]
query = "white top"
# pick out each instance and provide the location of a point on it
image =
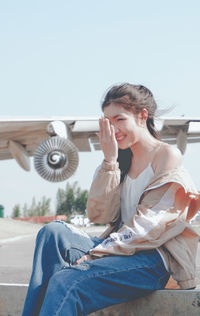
(130, 193)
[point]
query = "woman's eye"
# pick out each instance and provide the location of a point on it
(120, 119)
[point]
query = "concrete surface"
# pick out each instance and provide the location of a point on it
(16, 260)
(11, 230)
(160, 303)
(12, 299)
(16, 250)
(17, 241)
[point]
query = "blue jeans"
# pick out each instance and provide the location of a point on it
(58, 288)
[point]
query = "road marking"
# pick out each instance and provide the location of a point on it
(16, 238)
(13, 284)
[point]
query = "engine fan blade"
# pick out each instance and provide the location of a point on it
(56, 159)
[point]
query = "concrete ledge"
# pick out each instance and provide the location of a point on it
(12, 299)
(160, 303)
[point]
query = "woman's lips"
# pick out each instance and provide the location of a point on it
(120, 138)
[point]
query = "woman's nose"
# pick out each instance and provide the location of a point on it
(116, 128)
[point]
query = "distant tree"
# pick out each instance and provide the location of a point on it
(40, 208)
(16, 211)
(71, 200)
(61, 202)
(65, 199)
(32, 211)
(44, 206)
(25, 210)
(81, 200)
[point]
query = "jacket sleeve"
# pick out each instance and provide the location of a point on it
(160, 217)
(103, 205)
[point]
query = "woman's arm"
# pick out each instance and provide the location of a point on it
(103, 203)
(152, 226)
(104, 197)
(161, 214)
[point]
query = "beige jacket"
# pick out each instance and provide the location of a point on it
(167, 229)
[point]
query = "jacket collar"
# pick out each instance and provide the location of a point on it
(177, 175)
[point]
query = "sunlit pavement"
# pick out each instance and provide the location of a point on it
(17, 240)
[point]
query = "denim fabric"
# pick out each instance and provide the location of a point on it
(58, 245)
(92, 285)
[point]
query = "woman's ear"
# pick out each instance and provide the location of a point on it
(144, 114)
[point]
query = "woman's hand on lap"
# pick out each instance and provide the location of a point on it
(82, 259)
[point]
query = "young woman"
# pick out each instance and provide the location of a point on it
(145, 195)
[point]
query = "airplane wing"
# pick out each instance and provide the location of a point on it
(179, 130)
(31, 132)
(23, 138)
(20, 138)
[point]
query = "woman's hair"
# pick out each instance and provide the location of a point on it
(133, 98)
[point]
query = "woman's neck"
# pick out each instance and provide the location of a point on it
(144, 150)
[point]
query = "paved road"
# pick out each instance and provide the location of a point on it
(16, 251)
(17, 241)
(16, 260)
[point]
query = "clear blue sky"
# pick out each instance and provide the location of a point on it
(59, 57)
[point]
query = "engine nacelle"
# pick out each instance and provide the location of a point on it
(56, 159)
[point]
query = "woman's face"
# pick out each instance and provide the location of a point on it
(126, 124)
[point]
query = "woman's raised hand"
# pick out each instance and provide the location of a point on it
(107, 140)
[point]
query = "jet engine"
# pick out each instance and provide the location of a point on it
(56, 158)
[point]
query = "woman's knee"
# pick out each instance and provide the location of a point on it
(52, 229)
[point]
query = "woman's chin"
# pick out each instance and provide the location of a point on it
(123, 146)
